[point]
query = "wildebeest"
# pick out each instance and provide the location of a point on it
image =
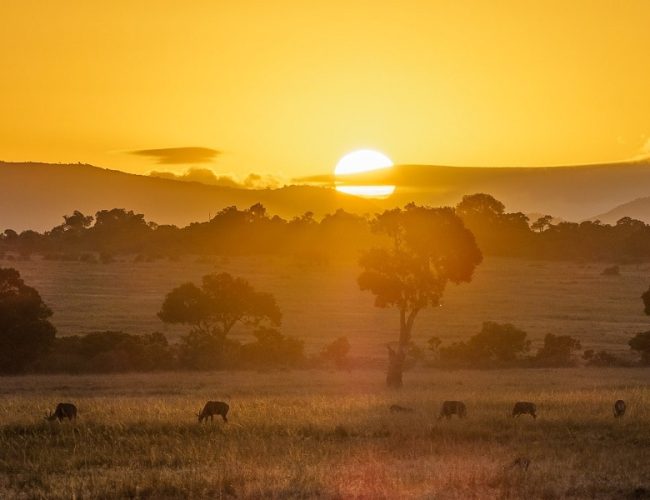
(402, 409)
(619, 408)
(524, 408)
(63, 410)
(212, 408)
(450, 408)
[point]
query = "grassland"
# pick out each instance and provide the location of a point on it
(323, 303)
(328, 435)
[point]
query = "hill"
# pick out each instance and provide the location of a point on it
(37, 195)
(637, 209)
(45, 192)
(571, 193)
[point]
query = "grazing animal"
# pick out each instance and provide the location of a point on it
(450, 408)
(524, 408)
(402, 409)
(213, 408)
(63, 410)
(619, 408)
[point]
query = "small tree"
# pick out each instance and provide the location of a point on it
(646, 301)
(25, 332)
(641, 343)
(213, 310)
(557, 350)
(427, 248)
(337, 352)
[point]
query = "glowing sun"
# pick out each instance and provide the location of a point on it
(363, 160)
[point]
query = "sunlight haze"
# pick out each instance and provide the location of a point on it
(286, 88)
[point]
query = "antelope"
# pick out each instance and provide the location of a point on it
(450, 408)
(63, 410)
(619, 408)
(524, 408)
(402, 409)
(212, 408)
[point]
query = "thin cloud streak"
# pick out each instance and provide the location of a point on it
(179, 156)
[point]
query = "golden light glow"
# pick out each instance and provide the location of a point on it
(364, 160)
(282, 88)
(367, 191)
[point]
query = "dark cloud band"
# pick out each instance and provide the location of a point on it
(176, 156)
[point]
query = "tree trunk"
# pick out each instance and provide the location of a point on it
(395, 368)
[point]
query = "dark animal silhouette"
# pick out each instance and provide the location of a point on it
(402, 409)
(450, 408)
(619, 408)
(213, 408)
(63, 410)
(524, 408)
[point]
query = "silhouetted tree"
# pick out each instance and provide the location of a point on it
(25, 332)
(641, 343)
(542, 223)
(428, 247)
(497, 344)
(215, 308)
(272, 349)
(337, 352)
(646, 301)
(557, 350)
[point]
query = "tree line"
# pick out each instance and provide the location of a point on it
(419, 251)
(252, 231)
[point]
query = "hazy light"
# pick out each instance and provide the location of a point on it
(370, 191)
(362, 160)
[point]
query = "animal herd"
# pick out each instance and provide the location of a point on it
(448, 409)
(458, 408)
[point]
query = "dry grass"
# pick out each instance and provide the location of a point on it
(325, 434)
(322, 304)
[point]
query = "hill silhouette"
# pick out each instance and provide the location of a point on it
(37, 195)
(637, 209)
(569, 192)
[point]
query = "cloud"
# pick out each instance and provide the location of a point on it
(176, 156)
(207, 176)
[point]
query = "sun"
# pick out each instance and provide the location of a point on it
(363, 160)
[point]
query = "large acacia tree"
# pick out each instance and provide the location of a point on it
(212, 310)
(425, 249)
(25, 331)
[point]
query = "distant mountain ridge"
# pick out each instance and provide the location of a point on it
(637, 209)
(37, 195)
(571, 193)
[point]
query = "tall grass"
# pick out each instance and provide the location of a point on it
(326, 434)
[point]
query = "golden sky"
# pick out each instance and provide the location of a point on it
(287, 87)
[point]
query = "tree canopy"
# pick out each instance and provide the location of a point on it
(426, 248)
(221, 302)
(25, 332)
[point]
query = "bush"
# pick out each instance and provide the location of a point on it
(557, 351)
(337, 352)
(108, 352)
(641, 343)
(496, 345)
(272, 350)
(602, 359)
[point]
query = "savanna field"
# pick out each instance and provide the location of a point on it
(322, 434)
(322, 302)
(329, 433)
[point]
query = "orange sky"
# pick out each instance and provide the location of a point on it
(287, 87)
